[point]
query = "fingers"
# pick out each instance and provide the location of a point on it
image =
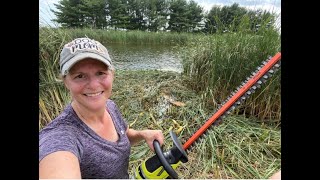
(159, 136)
(151, 135)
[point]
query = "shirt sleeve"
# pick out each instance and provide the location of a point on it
(57, 139)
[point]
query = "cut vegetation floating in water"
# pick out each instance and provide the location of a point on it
(238, 148)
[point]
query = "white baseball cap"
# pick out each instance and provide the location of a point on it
(81, 48)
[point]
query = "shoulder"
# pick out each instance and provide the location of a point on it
(63, 125)
(54, 140)
(60, 138)
(112, 106)
(111, 103)
(58, 131)
(60, 134)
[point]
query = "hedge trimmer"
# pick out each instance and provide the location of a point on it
(162, 165)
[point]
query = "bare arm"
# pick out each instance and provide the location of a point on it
(148, 135)
(59, 165)
(276, 175)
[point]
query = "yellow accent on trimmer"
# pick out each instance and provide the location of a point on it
(142, 172)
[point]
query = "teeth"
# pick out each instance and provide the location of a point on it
(95, 94)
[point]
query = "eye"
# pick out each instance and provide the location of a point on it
(102, 73)
(80, 76)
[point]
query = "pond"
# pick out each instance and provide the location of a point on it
(145, 57)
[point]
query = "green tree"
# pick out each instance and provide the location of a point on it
(234, 18)
(118, 12)
(224, 19)
(178, 16)
(136, 10)
(156, 14)
(81, 13)
(68, 14)
(261, 19)
(185, 16)
(194, 16)
(94, 12)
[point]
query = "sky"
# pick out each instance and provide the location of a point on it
(45, 15)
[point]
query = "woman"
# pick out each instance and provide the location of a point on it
(89, 139)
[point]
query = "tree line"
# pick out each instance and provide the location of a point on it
(159, 15)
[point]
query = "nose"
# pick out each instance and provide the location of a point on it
(93, 82)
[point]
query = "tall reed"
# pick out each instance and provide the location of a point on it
(52, 94)
(218, 63)
(239, 148)
(130, 37)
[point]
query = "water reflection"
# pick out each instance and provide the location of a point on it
(145, 57)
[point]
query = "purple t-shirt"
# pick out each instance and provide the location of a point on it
(98, 158)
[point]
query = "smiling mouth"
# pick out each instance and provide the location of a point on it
(93, 94)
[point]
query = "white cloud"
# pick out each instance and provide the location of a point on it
(45, 15)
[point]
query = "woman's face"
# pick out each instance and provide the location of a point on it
(90, 83)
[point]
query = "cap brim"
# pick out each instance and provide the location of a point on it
(66, 67)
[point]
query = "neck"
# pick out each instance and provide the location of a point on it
(87, 115)
(100, 122)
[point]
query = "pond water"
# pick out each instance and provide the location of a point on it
(145, 57)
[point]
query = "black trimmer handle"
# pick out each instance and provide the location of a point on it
(173, 156)
(166, 165)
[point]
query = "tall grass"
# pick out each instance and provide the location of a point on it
(218, 64)
(52, 94)
(130, 37)
(238, 148)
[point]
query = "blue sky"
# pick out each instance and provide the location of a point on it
(45, 15)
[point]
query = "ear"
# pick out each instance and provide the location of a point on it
(66, 83)
(113, 73)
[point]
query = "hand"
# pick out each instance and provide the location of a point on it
(151, 135)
